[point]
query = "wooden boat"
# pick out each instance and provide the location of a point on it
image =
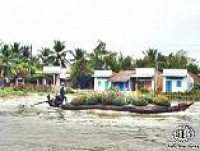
(57, 102)
(132, 108)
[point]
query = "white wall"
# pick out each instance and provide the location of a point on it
(102, 86)
(145, 71)
(184, 85)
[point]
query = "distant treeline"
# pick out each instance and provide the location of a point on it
(16, 60)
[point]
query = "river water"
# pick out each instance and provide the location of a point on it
(24, 127)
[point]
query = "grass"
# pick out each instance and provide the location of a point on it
(6, 92)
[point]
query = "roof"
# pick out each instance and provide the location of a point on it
(142, 75)
(122, 76)
(174, 72)
(102, 73)
(52, 69)
(195, 77)
(144, 72)
(64, 74)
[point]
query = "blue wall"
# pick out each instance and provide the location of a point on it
(122, 86)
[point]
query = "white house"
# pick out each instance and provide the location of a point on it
(101, 80)
(57, 72)
(176, 80)
(145, 76)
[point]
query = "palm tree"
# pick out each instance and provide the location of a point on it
(16, 48)
(60, 53)
(46, 56)
(21, 69)
(80, 68)
(151, 56)
(7, 60)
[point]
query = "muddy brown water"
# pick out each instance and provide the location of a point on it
(24, 127)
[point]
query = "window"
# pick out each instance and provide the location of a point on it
(106, 84)
(178, 83)
(99, 83)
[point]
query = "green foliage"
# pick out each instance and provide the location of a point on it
(112, 88)
(143, 90)
(10, 92)
(69, 90)
(130, 99)
(148, 98)
(80, 100)
(119, 101)
(161, 100)
(141, 101)
(91, 100)
(80, 69)
(33, 88)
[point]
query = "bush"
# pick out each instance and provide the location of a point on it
(108, 97)
(33, 88)
(161, 100)
(129, 99)
(141, 101)
(10, 92)
(148, 98)
(91, 100)
(69, 90)
(112, 88)
(143, 90)
(78, 101)
(119, 101)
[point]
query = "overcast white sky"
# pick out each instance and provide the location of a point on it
(130, 26)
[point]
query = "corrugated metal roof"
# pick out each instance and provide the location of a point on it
(122, 76)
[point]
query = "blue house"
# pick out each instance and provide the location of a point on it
(122, 80)
(176, 80)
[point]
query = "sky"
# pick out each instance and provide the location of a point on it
(129, 26)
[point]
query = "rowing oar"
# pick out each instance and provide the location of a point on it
(38, 103)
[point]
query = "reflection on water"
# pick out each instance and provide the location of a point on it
(27, 127)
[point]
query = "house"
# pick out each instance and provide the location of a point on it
(144, 77)
(177, 80)
(101, 79)
(57, 74)
(122, 80)
(196, 77)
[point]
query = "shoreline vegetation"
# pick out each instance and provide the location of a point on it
(18, 65)
(21, 72)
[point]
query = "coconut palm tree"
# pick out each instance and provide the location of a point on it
(7, 60)
(46, 55)
(60, 54)
(16, 48)
(80, 68)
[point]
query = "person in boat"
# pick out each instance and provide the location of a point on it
(62, 93)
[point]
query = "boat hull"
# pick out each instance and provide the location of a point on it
(132, 109)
